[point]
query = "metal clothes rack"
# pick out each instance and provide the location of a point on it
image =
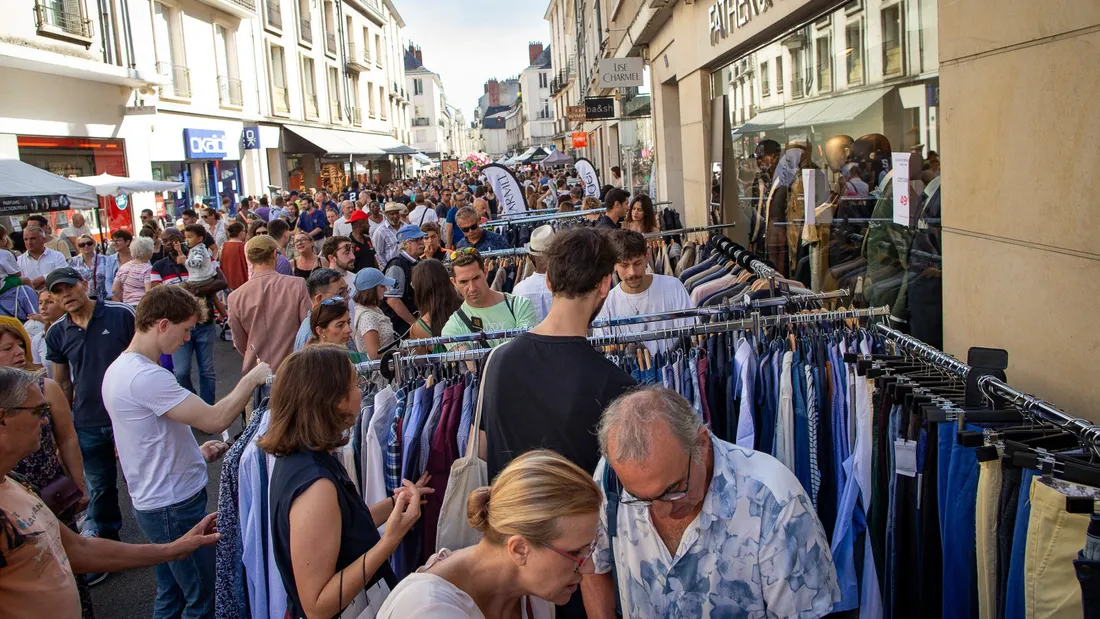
(756, 322)
(654, 235)
(540, 218)
(842, 293)
(992, 386)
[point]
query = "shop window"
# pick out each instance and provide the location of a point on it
(853, 41)
(891, 40)
(824, 50)
(309, 87)
(280, 94)
(765, 80)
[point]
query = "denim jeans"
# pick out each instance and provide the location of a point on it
(97, 448)
(960, 586)
(202, 344)
(1014, 601)
(185, 588)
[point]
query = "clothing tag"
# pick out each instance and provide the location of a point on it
(905, 457)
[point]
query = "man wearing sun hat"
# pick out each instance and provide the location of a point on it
(534, 288)
(400, 304)
(385, 238)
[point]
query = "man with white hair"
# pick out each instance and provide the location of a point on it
(709, 503)
(341, 227)
(76, 229)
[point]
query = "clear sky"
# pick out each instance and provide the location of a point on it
(469, 41)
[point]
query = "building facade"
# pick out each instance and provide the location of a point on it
(231, 97)
(538, 130)
(438, 129)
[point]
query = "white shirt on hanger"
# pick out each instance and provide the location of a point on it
(535, 290)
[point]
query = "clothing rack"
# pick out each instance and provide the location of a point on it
(756, 322)
(738, 253)
(499, 253)
(798, 298)
(654, 235)
(539, 218)
(991, 386)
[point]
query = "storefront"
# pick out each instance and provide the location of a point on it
(72, 157)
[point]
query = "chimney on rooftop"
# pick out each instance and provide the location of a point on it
(534, 50)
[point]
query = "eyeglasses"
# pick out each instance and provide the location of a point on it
(334, 301)
(39, 411)
(465, 250)
(578, 560)
(667, 497)
(470, 229)
(86, 244)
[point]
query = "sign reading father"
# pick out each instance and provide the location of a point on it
(620, 72)
(508, 191)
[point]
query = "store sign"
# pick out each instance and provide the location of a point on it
(620, 72)
(580, 139)
(728, 15)
(18, 205)
(250, 138)
(901, 189)
(597, 108)
(575, 113)
(204, 144)
(137, 110)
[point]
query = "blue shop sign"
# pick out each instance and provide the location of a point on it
(204, 144)
(250, 140)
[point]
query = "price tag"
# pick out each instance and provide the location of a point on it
(901, 188)
(905, 457)
(809, 190)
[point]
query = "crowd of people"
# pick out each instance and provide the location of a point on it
(605, 497)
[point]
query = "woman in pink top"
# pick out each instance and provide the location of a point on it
(132, 279)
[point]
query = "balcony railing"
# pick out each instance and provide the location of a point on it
(330, 43)
(274, 14)
(798, 88)
(355, 61)
(280, 99)
(306, 30)
(179, 78)
(356, 116)
(420, 121)
(229, 91)
(311, 105)
(62, 20)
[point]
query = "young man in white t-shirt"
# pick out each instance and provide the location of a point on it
(165, 467)
(640, 292)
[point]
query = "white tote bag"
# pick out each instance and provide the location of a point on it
(467, 474)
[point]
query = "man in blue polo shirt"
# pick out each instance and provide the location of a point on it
(312, 220)
(85, 342)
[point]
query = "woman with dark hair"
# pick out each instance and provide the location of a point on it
(435, 298)
(306, 261)
(330, 323)
(324, 539)
(642, 218)
(256, 228)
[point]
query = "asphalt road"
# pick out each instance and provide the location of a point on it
(130, 595)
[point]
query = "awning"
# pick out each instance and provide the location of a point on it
(336, 142)
(838, 109)
(109, 185)
(764, 121)
(422, 158)
(392, 146)
(25, 188)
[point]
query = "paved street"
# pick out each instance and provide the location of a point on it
(130, 594)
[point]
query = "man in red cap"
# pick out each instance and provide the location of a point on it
(360, 238)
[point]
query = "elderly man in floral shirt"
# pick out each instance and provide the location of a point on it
(702, 527)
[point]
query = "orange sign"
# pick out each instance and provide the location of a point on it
(580, 139)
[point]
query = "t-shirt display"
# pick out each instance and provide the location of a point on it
(523, 410)
(160, 457)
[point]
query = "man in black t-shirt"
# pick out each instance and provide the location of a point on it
(616, 202)
(548, 387)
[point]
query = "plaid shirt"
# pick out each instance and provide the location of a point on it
(391, 467)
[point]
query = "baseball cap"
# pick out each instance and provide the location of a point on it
(370, 277)
(410, 232)
(358, 215)
(66, 275)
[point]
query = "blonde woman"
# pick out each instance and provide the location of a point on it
(539, 523)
